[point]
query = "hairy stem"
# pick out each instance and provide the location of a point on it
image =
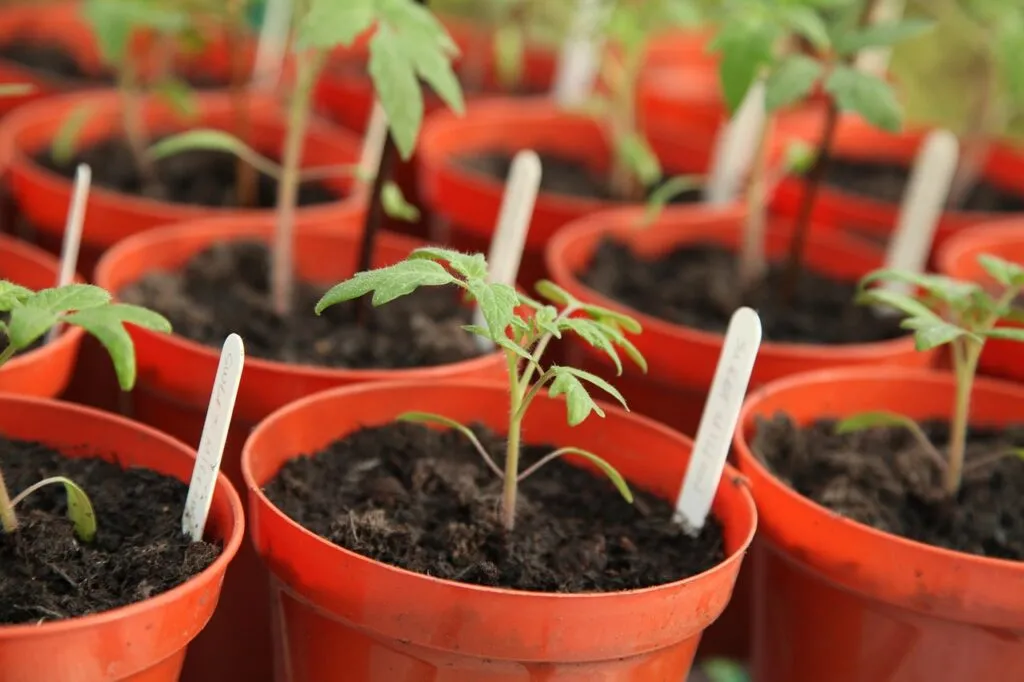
(964, 372)
(752, 259)
(511, 483)
(282, 277)
(8, 518)
(246, 176)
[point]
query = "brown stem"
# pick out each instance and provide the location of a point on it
(246, 176)
(374, 219)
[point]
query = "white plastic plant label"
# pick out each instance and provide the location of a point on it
(509, 240)
(72, 234)
(736, 147)
(215, 435)
(719, 420)
(923, 203)
(579, 59)
(272, 44)
(373, 142)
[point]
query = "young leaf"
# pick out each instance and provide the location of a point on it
(956, 293)
(509, 49)
(791, 81)
(388, 283)
(554, 293)
(69, 297)
(330, 23)
(567, 380)
(28, 323)
(13, 295)
(80, 510)
(106, 323)
(469, 265)
(214, 140)
(866, 95)
(500, 340)
(607, 315)
(668, 190)
(901, 302)
(497, 304)
(881, 35)
(930, 333)
(430, 418)
(807, 23)
(1007, 333)
(637, 155)
(607, 469)
(874, 419)
(1006, 273)
(395, 204)
(394, 79)
(62, 150)
(746, 47)
(594, 334)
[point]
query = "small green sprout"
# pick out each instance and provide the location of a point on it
(522, 340)
(30, 315)
(947, 311)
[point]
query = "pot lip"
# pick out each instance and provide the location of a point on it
(884, 375)
(67, 338)
(500, 112)
(219, 565)
(598, 225)
(262, 227)
(975, 241)
(105, 102)
(729, 474)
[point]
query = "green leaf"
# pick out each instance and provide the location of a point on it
(955, 292)
(881, 35)
(330, 23)
(427, 46)
(636, 154)
(70, 297)
(905, 304)
(469, 265)
(114, 21)
(668, 190)
(807, 23)
(1006, 273)
(607, 469)
(213, 140)
(874, 419)
(179, 96)
(107, 325)
(501, 341)
(567, 381)
(791, 81)
(509, 48)
(80, 510)
(1006, 333)
(395, 204)
(554, 293)
(138, 316)
(28, 323)
(620, 340)
(388, 283)
(594, 334)
(724, 670)
(799, 157)
(866, 95)
(65, 141)
(398, 90)
(607, 315)
(497, 304)
(746, 47)
(929, 333)
(13, 295)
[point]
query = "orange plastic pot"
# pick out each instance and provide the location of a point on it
(470, 201)
(173, 389)
(43, 372)
(843, 602)
(56, 24)
(958, 258)
(335, 610)
(43, 197)
(143, 642)
(856, 140)
(682, 360)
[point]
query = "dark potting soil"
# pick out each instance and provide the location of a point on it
(198, 177)
(887, 183)
(139, 551)
(696, 286)
(565, 176)
(422, 499)
(225, 289)
(50, 59)
(883, 477)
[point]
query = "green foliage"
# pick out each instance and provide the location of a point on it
(725, 670)
(114, 22)
(80, 511)
(32, 314)
(522, 338)
(408, 44)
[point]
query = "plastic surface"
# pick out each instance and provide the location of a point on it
(175, 376)
(337, 611)
(43, 196)
(873, 219)
(43, 372)
(839, 601)
(958, 258)
(143, 642)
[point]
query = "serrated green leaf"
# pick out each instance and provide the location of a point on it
(138, 316)
(27, 324)
(595, 335)
(330, 23)
(929, 333)
(12, 295)
(395, 204)
(502, 341)
(901, 302)
(881, 35)
(71, 297)
(946, 289)
(636, 154)
(554, 293)
(469, 265)
(746, 48)
(213, 140)
(106, 324)
(1006, 273)
(65, 141)
(497, 304)
(606, 314)
(544, 317)
(568, 380)
(866, 95)
(620, 340)
(873, 419)
(394, 79)
(806, 22)
(791, 81)
(388, 283)
(607, 469)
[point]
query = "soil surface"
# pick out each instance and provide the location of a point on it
(884, 478)
(226, 289)
(423, 500)
(887, 183)
(52, 60)
(696, 287)
(199, 177)
(565, 176)
(139, 551)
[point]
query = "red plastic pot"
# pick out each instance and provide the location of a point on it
(143, 642)
(175, 376)
(857, 140)
(843, 602)
(43, 197)
(470, 201)
(682, 360)
(43, 372)
(335, 610)
(958, 258)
